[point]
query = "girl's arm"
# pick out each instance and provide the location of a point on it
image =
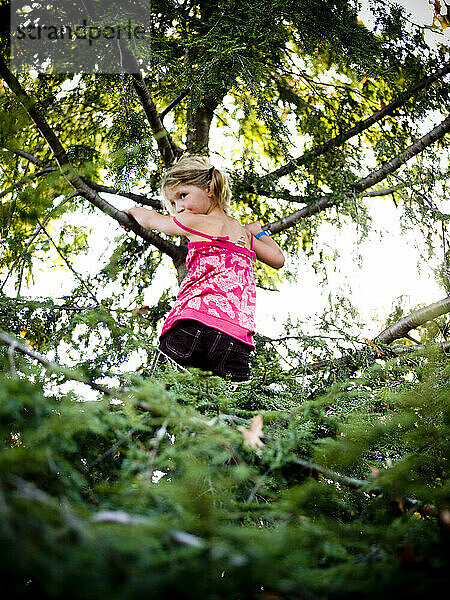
(266, 249)
(150, 219)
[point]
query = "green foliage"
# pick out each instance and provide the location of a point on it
(156, 489)
(285, 69)
(152, 490)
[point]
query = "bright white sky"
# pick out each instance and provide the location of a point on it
(387, 267)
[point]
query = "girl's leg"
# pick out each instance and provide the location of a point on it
(229, 358)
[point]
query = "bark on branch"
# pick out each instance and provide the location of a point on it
(16, 346)
(140, 198)
(68, 171)
(399, 329)
(358, 128)
(363, 184)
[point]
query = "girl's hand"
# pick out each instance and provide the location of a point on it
(132, 211)
(129, 212)
(140, 214)
(254, 227)
(266, 249)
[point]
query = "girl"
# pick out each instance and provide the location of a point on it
(211, 325)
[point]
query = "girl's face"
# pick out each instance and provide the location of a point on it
(189, 199)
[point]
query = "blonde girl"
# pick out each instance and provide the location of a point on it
(211, 325)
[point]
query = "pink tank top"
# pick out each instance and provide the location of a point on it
(219, 289)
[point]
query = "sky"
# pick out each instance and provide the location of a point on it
(371, 273)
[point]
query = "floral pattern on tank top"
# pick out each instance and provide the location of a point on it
(219, 286)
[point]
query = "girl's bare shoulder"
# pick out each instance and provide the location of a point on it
(199, 223)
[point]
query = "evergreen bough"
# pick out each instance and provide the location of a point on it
(154, 492)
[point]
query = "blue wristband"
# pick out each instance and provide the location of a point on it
(261, 233)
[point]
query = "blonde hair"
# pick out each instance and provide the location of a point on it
(193, 169)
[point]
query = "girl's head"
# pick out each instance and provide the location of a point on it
(192, 169)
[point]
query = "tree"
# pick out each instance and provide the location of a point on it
(325, 112)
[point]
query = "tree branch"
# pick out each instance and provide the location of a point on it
(34, 159)
(403, 326)
(395, 331)
(172, 104)
(399, 350)
(98, 187)
(166, 146)
(363, 184)
(163, 139)
(27, 179)
(333, 475)
(285, 195)
(358, 128)
(34, 236)
(392, 165)
(384, 192)
(16, 346)
(176, 253)
(358, 484)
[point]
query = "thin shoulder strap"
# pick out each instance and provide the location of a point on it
(251, 242)
(210, 237)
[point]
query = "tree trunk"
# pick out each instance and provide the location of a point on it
(198, 125)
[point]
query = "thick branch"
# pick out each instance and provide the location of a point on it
(358, 128)
(167, 148)
(98, 187)
(419, 317)
(33, 159)
(416, 148)
(285, 195)
(160, 133)
(363, 184)
(73, 177)
(199, 124)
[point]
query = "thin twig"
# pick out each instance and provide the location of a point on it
(172, 104)
(27, 179)
(256, 487)
(34, 236)
(9, 341)
(77, 275)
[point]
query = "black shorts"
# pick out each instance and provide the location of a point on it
(193, 344)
